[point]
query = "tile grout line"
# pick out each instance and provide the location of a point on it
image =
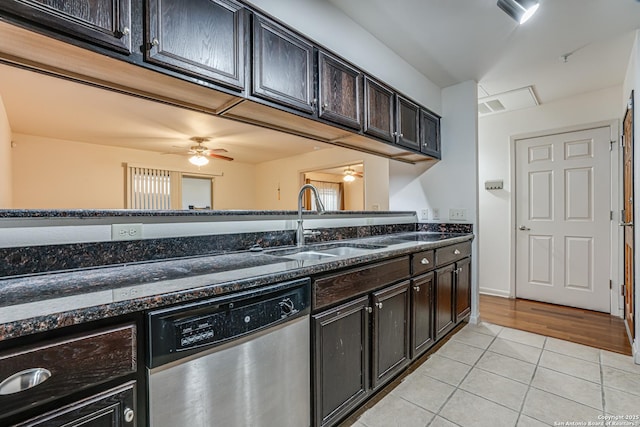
(526, 394)
(602, 383)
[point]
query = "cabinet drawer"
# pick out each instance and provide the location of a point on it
(74, 363)
(340, 287)
(452, 253)
(421, 262)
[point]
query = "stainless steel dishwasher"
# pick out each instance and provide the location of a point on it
(238, 360)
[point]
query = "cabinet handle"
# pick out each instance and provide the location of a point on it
(369, 309)
(128, 415)
(424, 261)
(456, 252)
(379, 305)
(155, 42)
(24, 380)
(417, 288)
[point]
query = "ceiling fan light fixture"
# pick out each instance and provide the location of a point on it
(520, 10)
(198, 160)
(349, 178)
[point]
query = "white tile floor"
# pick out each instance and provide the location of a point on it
(487, 375)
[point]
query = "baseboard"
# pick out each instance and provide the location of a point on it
(635, 351)
(474, 320)
(494, 292)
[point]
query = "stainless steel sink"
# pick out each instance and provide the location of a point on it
(324, 252)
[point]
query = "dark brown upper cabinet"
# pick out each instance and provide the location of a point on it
(282, 66)
(339, 91)
(430, 134)
(408, 123)
(103, 22)
(378, 110)
(205, 38)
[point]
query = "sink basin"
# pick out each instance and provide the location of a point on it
(327, 251)
(309, 256)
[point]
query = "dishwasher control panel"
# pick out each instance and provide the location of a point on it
(179, 330)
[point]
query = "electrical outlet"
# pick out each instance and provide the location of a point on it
(123, 294)
(435, 213)
(375, 207)
(458, 214)
(424, 214)
(126, 231)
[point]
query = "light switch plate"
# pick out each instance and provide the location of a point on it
(435, 213)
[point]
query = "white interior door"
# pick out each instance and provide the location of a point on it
(563, 223)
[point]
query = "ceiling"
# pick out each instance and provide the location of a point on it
(50, 107)
(451, 41)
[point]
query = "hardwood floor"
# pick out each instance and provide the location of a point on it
(586, 327)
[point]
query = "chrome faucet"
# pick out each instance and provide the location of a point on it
(319, 208)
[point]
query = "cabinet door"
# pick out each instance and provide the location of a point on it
(408, 116)
(339, 91)
(378, 110)
(341, 360)
(430, 134)
(205, 38)
(463, 288)
(104, 22)
(114, 408)
(444, 298)
(390, 344)
(421, 314)
(282, 66)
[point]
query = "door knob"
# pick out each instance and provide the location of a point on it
(523, 228)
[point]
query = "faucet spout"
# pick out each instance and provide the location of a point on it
(319, 208)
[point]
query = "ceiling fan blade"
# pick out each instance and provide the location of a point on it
(221, 157)
(358, 174)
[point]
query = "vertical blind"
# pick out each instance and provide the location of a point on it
(149, 188)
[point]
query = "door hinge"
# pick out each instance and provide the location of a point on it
(622, 140)
(622, 215)
(610, 284)
(611, 144)
(610, 215)
(622, 289)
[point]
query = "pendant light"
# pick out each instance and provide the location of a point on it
(520, 10)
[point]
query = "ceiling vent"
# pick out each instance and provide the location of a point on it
(507, 101)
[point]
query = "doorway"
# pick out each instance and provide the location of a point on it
(563, 218)
(340, 187)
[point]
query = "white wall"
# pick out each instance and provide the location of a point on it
(286, 175)
(453, 181)
(632, 83)
(5, 160)
(322, 22)
(494, 161)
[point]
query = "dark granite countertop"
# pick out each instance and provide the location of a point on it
(44, 302)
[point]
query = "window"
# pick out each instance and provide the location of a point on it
(331, 194)
(151, 188)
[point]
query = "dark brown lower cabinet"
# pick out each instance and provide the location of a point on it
(444, 298)
(463, 288)
(390, 328)
(113, 408)
(341, 377)
(422, 314)
(346, 367)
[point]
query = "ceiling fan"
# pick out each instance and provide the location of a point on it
(200, 153)
(350, 174)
